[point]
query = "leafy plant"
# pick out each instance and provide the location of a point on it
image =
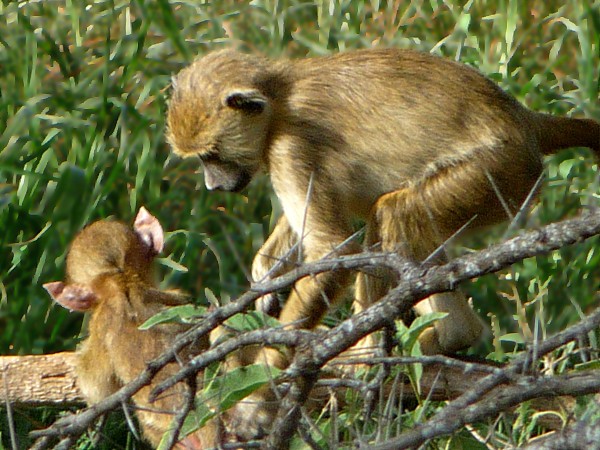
(83, 92)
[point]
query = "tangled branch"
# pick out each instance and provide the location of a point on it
(313, 351)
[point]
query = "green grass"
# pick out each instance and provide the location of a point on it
(83, 90)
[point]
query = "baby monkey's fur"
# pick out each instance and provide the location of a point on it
(415, 145)
(109, 273)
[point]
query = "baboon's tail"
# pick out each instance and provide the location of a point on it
(564, 132)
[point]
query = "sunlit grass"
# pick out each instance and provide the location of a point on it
(83, 91)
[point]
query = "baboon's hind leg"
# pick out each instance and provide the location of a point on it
(417, 220)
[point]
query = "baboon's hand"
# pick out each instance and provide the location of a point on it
(262, 271)
(252, 417)
(277, 256)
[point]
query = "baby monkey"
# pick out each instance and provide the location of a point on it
(109, 273)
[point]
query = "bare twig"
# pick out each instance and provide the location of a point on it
(426, 360)
(190, 395)
(583, 435)
(9, 415)
(456, 413)
(416, 283)
(450, 419)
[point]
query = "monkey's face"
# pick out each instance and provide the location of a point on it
(223, 175)
(225, 126)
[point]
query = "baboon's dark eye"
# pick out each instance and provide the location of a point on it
(209, 157)
(249, 102)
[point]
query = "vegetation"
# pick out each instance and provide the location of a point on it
(83, 92)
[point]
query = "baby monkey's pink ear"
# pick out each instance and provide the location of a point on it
(74, 297)
(149, 230)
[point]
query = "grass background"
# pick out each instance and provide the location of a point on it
(83, 91)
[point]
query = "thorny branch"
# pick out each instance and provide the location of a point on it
(584, 434)
(416, 283)
(188, 405)
(476, 404)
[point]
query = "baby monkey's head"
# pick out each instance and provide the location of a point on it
(103, 249)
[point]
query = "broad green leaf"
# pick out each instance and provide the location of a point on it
(252, 320)
(590, 365)
(225, 391)
(411, 335)
(512, 337)
(183, 313)
(174, 265)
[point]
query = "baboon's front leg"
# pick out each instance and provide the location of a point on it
(277, 256)
(309, 300)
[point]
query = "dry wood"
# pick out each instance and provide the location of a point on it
(489, 392)
(39, 380)
(50, 380)
(584, 435)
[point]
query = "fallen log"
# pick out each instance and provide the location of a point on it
(39, 380)
(50, 380)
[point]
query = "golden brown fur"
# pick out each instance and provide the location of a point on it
(109, 273)
(415, 145)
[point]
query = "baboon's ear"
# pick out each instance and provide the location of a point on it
(250, 101)
(74, 297)
(149, 229)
